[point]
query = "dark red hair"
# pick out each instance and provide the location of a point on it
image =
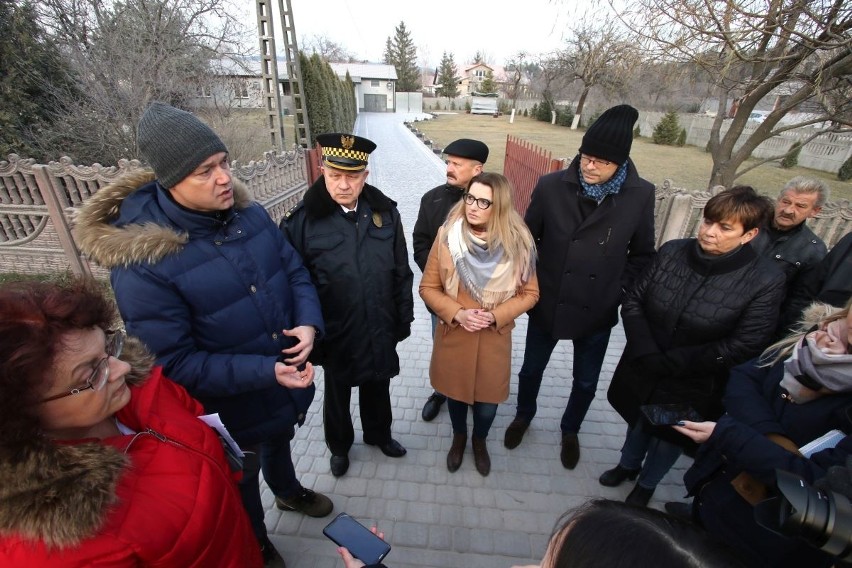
(33, 318)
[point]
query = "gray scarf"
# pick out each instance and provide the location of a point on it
(820, 372)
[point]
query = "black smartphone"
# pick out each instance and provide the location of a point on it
(669, 414)
(358, 539)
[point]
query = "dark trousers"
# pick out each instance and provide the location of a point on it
(273, 457)
(589, 354)
(483, 417)
(376, 414)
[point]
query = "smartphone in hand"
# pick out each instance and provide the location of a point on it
(358, 539)
(669, 414)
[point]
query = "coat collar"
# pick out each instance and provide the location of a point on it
(319, 204)
(127, 222)
(704, 264)
(60, 494)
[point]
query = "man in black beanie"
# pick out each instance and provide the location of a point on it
(203, 276)
(594, 227)
(465, 158)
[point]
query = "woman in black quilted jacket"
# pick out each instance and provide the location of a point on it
(702, 306)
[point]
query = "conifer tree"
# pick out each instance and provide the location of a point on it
(447, 72)
(667, 130)
(488, 84)
(402, 54)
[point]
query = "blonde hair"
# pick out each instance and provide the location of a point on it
(817, 313)
(504, 228)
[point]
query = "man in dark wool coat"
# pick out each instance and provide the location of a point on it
(351, 240)
(594, 227)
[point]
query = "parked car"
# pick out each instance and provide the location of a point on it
(758, 115)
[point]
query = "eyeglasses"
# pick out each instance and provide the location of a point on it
(100, 373)
(598, 163)
(481, 202)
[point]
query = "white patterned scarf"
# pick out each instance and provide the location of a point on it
(487, 275)
(809, 372)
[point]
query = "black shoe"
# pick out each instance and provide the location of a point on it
(515, 433)
(391, 449)
(309, 502)
(640, 496)
(616, 476)
(432, 406)
(570, 453)
(682, 511)
(271, 558)
(339, 465)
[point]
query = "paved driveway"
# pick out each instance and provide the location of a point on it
(431, 517)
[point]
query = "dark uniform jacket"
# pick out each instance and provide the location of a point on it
(688, 320)
(434, 207)
(793, 251)
(208, 294)
(739, 443)
(585, 263)
(361, 272)
(829, 281)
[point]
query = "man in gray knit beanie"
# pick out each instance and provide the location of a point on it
(204, 278)
(173, 142)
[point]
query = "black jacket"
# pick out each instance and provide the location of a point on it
(688, 321)
(793, 250)
(361, 273)
(434, 207)
(585, 263)
(829, 281)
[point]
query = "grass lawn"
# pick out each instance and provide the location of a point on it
(687, 167)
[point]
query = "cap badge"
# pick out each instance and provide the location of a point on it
(347, 142)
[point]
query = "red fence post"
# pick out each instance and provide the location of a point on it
(524, 164)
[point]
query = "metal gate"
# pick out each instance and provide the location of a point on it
(375, 103)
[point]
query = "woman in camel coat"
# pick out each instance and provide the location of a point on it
(479, 277)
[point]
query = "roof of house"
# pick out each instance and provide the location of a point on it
(359, 71)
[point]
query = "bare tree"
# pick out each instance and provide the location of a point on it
(515, 73)
(327, 49)
(128, 53)
(597, 53)
(795, 55)
(549, 78)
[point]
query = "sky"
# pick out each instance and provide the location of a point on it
(460, 27)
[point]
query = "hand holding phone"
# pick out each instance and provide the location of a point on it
(345, 531)
(669, 414)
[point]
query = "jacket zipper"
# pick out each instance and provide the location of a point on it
(167, 440)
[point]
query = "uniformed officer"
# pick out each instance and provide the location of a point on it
(351, 239)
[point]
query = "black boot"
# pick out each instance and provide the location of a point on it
(616, 476)
(640, 496)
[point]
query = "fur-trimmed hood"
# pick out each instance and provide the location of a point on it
(318, 202)
(60, 494)
(107, 236)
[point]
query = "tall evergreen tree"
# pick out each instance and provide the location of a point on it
(447, 72)
(33, 78)
(488, 84)
(401, 53)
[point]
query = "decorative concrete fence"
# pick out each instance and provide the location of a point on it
(825, 153)
(37, 203)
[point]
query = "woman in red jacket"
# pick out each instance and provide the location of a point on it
(103, 460)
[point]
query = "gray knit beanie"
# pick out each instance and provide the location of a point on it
(173, 142)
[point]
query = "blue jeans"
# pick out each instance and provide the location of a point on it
(483, 417)
(589, 354)
(658, 454)
(273, 457)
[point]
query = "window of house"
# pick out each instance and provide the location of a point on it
(375, 83)
(479, 73)
(205, 91)
(241, 89)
